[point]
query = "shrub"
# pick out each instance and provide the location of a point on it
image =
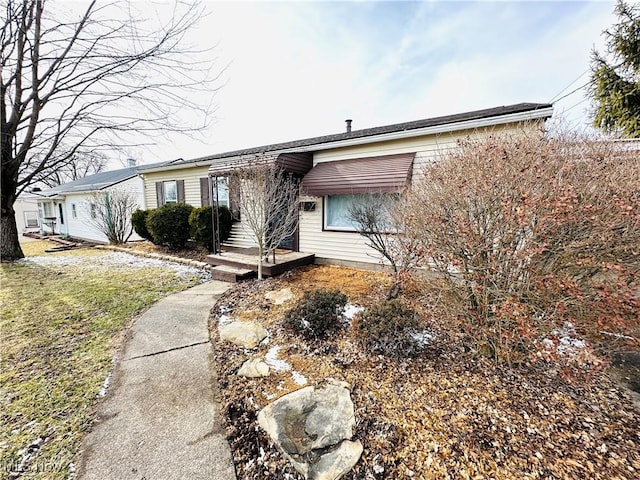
(169, 225)
(139, 222)
(201, 224)
(530, 232)
(317, 314)
(389, 328)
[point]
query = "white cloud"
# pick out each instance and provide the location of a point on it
(298, 69)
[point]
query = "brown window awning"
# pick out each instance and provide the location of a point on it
(384, 174)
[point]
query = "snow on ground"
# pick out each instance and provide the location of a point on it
(279, 365)
(351, 310)
(114, 260)
(424, 338)
(565, 342)
(271, 359)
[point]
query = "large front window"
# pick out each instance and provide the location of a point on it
(339, 210)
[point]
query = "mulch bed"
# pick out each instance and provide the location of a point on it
(449, 413)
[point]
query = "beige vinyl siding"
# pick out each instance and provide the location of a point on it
(427, 148)
(191, 177)
(351, 246)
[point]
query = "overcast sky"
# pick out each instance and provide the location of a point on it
(299, 69)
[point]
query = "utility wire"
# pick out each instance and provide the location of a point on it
(574, 81)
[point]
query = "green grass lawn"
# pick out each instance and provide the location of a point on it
(60, 327)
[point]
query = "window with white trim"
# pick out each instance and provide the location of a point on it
(48, 210)
(74, 212)
(31, 219)
(171, 192)
(223, 191)
(336, 209)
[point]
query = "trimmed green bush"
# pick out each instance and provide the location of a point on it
(201, 224)
(389, 328)
(139, 222)
(317, 314)
(169, 225)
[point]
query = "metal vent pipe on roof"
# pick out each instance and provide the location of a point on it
(131, 162)
(348, 122)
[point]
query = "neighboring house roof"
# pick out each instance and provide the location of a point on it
(477, 118)
(91, 183)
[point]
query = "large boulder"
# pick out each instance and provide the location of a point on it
(244, 334)
(313, 427)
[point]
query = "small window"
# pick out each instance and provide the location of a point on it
(223, 191)
(93, 208)
(171, 192)
(31, 219)
(48, 210)
(74, 212)
(336, 209)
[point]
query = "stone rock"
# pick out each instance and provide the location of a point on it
(336, 463)
(244, 334)
(312, 428)
(278, 297)
(254, 368)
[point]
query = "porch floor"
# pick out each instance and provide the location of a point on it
(247, 258)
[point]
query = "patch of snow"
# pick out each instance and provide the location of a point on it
(423, 338)
(105, 386)
(271, 359)
(298, 378)
(224, 319)
(351, 310)
(566, 343)
(114, 260)
(224, 309)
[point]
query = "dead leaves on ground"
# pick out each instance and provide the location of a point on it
(444, 415)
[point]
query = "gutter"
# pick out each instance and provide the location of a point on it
(202, 163)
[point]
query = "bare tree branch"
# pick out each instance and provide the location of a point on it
(269, 198)
(72, 86)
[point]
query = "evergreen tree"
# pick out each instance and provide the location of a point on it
(615, 76)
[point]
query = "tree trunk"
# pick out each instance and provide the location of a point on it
(10, 249)
(259, 262)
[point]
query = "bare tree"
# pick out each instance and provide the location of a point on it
(269, 198)
(80, 166)
(383, 220)
(76, 86)
(110, 212)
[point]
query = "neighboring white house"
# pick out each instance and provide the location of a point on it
(67, 209)
(26, 209)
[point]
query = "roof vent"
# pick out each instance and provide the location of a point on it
(348, 122)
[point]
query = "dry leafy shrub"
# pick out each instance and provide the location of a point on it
(381, 219)
(389, 328)
(317, 314)
(529, 232)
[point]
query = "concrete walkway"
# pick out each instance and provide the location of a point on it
(160, 417)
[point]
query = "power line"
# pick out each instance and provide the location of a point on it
(574, 81)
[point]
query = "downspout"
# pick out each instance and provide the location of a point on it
(109, 219)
